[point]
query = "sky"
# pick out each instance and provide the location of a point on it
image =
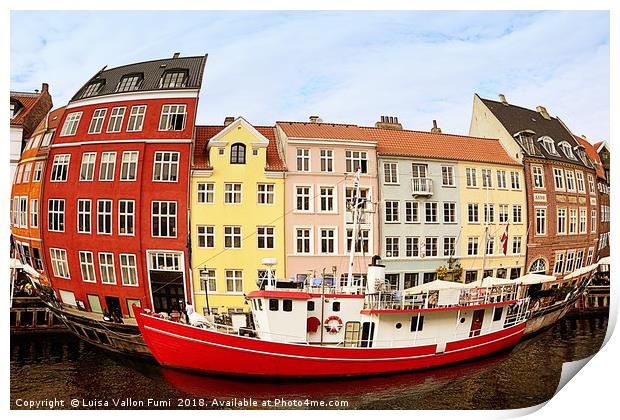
(346, 67)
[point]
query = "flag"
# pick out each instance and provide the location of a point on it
(504, 240)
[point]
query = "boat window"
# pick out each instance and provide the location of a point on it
(254, 304)
(287, 305)
(311, 305)
(336, 306)
(352, 331)
(273, 304)
(368, 332)
(260, 304)
(417, 323)
(497, 314)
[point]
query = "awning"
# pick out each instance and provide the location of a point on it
(581, 271)
(496, 281)
(438, 285)
(28, 269)
(604, 261)
(533, 278)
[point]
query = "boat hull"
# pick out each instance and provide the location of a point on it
(184, 347)
(546, 317)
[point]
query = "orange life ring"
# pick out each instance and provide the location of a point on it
(331, 328)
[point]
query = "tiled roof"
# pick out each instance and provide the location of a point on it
(151, 72)
(206, 132)
(27, 100)
(310, 130)
(51, 120)
(593, 155)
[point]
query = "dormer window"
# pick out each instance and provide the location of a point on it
(129, 82)
(237, 153)
(173, 79)
(526, 138)
(568, 150)
(583, 156)
(549, 145)
(92, 89)
(13, 109)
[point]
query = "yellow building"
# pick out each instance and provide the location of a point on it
(237, 213)
(492, 196)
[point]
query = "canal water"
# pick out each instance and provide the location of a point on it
(60, 366)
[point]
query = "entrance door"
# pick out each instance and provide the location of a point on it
(368, 331)
(167, 278)
(113, 304)
(476, 323)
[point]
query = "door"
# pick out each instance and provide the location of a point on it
(113, 304)
(476, 323)
(368, 331)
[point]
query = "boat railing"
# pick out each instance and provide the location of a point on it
(244, 331)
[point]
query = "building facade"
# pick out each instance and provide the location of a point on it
(237, 213)
(560, 182)
(116, 188)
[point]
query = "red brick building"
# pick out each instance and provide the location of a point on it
(563, 209)
(117, 185)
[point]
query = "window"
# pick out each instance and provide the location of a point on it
(489, 213)
(206, 236)
(568, 151)
(232, 236)
(38, 262)
(23, 212)
(470, 175)
(355, 160)
(129, 166)
(593, 221)
(266, 193)
(392, 247)
(104, 217)
(129, 82)
(38, 169)
(581, 186)
(561, 221)
(136, 118)
(516, 245)
(515, 181)
(47, 138)
(56, 215)
(473, 213)
(417, 323)
(84, 216)
(60, 267)
(497, 313)
(107, 166)
(538, 266)
(362, 241)
(303, 241)
(583, 220)
(447, 176)
(172, 118)
(232, 193)
(116, 119)
(92, 89)
(34, 213)
(96, 123)
(60, 168)
(449, 244)
(412, 214)
(487, 180)
(412, 246)
(237, 153)
(538, 177)
(430, 212)
(303, 160)
(302, 198)
(572, 221)
(517, 214)
(129, 270)
(431, 247)
(590, 254)
(327, 160)
(503, 213)
(166, 167)
(15, 215)
(173, 79)
(126, 217)
(541, 220)
(70, 126)
(274, 304)
(570, 181)
(208, 280)
(591, 184)
(390, 173)
(27, 170)
(87, 168)
(558, 176)
(327, 199)
(106, 268)
(449, 212)
(328, 240)
(549, 145)
(501, 179)
(18, 175)
(234, 281)
(579, 260)
(164, 219)
(87, 266)
(265, 237)
(206, 192)
(490, 246)
(472, 246)
(392, 211)
(570, 260)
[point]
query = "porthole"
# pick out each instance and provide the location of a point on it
(462, 320)
(398, 325)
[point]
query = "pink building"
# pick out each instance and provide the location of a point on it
(322, 159)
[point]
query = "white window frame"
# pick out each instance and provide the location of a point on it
(58, 260)
(268, 193)
(266, 234)
(327, 160)
(232, 275)
(392, 211)
(37, 172)
(81, 214)
(558, 179)
(233, 233)
(302, 159)
(129, 160)
(34, 212)
(108, 160)
(206, 192)
(96, 122)
(60, 168)
(167, 217)
(536, 217)
(307, 195)
(106, 266)
(129, 269)
(232, 194)
(447, 176)
(70, 126)
(163, 159)
(87, 267)
(136, 118)
(87, 166)
(169, 115)
(129, 218)
(115, 122)
(206, 233)
(538, 174)
(105, 215)
(56, 215)
(309, 238)
(331, 239)
(390, 173)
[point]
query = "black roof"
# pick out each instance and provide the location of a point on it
(516, 119)
(151, 71)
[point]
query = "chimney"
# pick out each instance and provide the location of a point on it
(390, 123)
(228, 120)
(315, 119)
(176, 55)
(44, 87)
(502, 99)
(543, 111)
(583, 136)
(435, 129)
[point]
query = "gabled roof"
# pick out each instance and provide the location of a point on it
(516, 119)
(204, 133)
(27, 100)
(593, 155)
(322, 131)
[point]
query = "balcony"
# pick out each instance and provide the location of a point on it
(421, 186)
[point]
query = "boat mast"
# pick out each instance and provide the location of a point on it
(486, 213)
(356, 206)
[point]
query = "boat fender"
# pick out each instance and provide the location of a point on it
(333, 324)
